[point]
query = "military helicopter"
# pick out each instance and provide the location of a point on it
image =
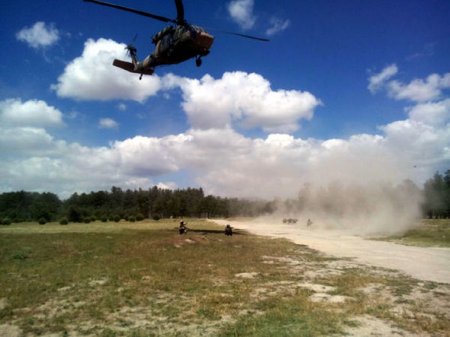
(173, 44)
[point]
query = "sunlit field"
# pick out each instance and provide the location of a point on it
(144, 279)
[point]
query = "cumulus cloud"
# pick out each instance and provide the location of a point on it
(92, 76)
(431, 113)
(228, 163)
(418, 90)
(107, 123)
(241, 11)
(39, 35)
(33, 160)
(237, 97)
(376, 81)
(244, 98)
(277, 25)
(32, 113)
(220, 159)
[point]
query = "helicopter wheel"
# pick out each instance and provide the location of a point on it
(198, 61)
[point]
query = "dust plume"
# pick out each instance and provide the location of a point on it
(377, 208)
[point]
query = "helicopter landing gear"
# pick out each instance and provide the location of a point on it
(198, 61)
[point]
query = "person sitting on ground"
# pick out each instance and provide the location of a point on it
(182, 229)
(228, 230)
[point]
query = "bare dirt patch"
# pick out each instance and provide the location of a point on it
(424, 263)
(7, 330)
(383, 300)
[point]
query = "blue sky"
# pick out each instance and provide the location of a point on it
(345, 90)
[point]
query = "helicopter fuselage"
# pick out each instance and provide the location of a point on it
(173, 45)
(178, 44)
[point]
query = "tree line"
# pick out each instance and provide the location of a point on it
(156, 203)
(117, 204)
(437, 196)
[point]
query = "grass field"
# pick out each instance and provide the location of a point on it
(435, 232)
(143, 279)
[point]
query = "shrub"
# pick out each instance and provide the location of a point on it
(104, 219)
(156, 217)
(87, 220)
(116, 218)
(42, 221)
(139, 217)
(63, 221)
(6, 221)
(132, 218)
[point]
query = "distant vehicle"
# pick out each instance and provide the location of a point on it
(290, 220)
(173, 44)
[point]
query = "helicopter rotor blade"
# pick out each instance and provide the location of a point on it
(180, 11)
(132, 10)
(243, 35)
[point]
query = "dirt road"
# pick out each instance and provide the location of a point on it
(428, 264)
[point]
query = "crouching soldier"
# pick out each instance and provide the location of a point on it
(182, 229)
(228, 230)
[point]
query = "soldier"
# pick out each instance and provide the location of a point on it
(228, 230)
(182, 229)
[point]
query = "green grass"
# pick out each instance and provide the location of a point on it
(143, 279)
(428, 233)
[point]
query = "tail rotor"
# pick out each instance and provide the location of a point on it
(131, 49)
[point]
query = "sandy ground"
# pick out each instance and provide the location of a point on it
(427, 264)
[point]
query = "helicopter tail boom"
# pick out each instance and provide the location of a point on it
(128, 66)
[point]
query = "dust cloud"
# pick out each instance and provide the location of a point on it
(364, 209)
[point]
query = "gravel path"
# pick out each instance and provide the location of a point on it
(427, 264)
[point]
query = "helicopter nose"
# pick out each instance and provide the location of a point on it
(205, 40)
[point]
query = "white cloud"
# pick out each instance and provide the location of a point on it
(33, 113)
(225, 162)
(93, 77)
(241, 11)
(420, 90)
(244, 98)
(431, 113)
(122, 107)
(277, 25)
(107, 123)
(378, 80)
(26, 141)
(237, 97)
(40, 35)
(219, 158)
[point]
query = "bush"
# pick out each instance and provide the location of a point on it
(104, 219)
(42, 221)
(6, 221)
(132, 218)
(63, 221)
(116, 218)
(156, 217)
(139, 217)
(87, 220)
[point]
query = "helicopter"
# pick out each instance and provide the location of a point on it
(173, 44)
